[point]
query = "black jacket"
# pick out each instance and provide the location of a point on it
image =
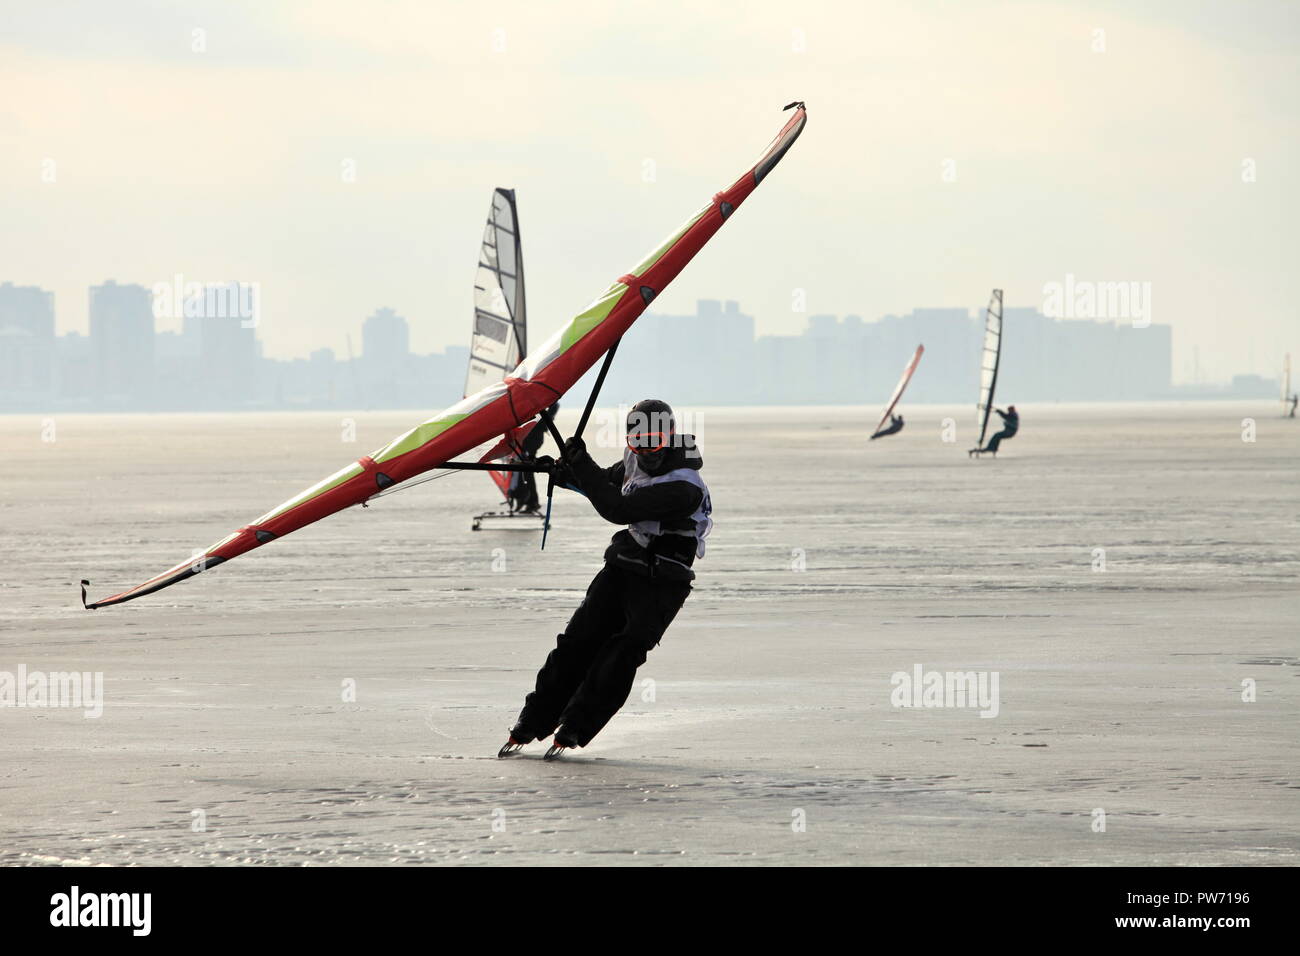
(671, 503)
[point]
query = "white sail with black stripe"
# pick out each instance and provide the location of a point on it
(990, 356)
(500, 337)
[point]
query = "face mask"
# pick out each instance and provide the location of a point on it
(652, 461)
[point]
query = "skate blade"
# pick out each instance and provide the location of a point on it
(510, 748)
(554, 752)
(507, 521)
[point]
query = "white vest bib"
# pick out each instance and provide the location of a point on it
(644, 532)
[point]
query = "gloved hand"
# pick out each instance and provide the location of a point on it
(564, 476)
(556, 469)
(575, 447)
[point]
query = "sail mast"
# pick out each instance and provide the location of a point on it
(520, 310)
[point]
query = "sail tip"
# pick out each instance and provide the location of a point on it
(795, 104)
(89, 607)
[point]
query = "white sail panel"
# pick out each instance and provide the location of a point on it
(499, 337)
(990, 356)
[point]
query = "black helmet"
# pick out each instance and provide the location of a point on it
(650, 425)
(650, 432)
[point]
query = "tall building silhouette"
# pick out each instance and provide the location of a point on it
(385, 338)
(122, 341)
(27, 346)
(228, 361)
(385, 374)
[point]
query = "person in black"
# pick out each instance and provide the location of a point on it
(523, 490)
(895, 425)
(1010, 425)
(657, 492)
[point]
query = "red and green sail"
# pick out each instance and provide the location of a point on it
(537, 383)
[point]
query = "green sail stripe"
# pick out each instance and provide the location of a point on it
(658, 253)
(595, 314)
(224, 541)
(333, 481)
(417, 436)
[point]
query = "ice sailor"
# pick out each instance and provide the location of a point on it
(1010, 425)
(893, 428)
(657, 491)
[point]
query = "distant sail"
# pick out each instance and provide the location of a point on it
(989, 359)
(902, 384)
(1286, 381)
(500, 336)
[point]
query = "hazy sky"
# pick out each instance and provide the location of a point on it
(226, 162)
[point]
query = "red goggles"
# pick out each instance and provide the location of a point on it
(643, 443)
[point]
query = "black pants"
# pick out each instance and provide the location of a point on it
(589, 675)
(997, 439)
(524, 493)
